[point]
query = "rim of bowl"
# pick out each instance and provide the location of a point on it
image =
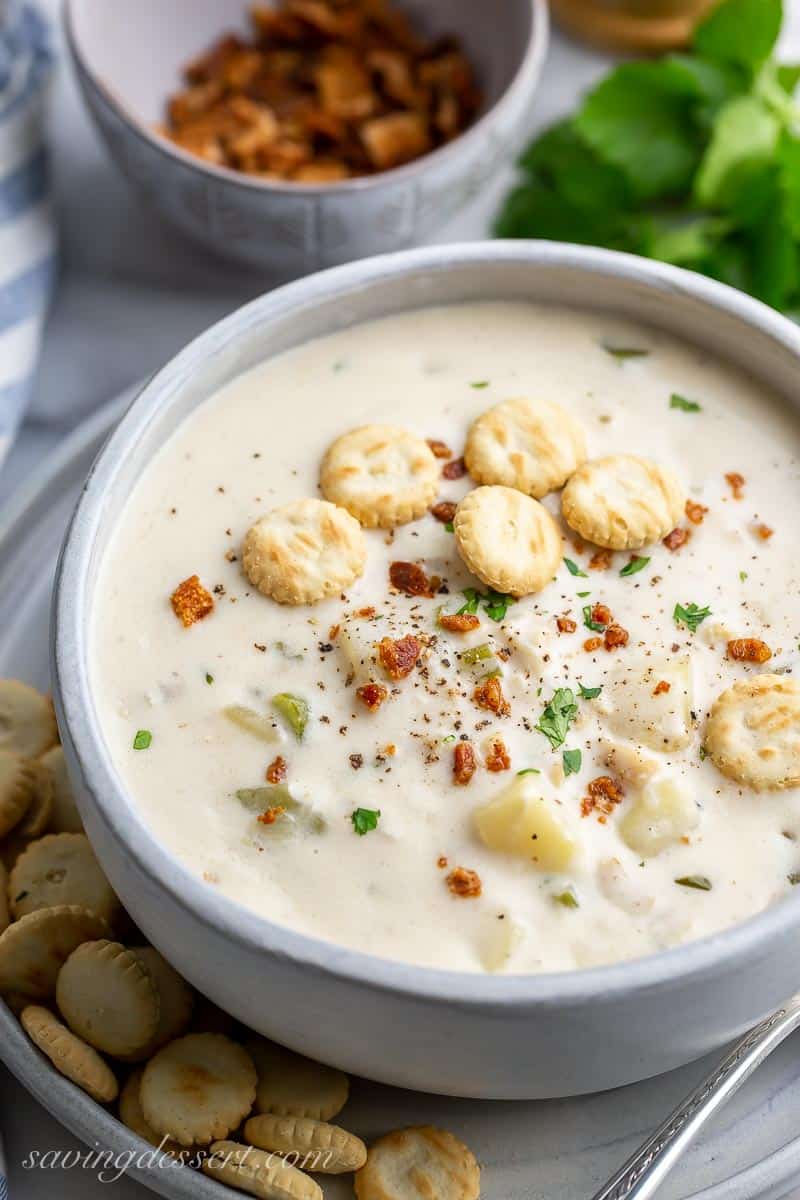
(525, 79)
(118, 812)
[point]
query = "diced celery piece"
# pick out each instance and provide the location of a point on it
(253, 722)
(476, 654)
(294, 710)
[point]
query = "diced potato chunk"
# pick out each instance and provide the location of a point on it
(499, 941)
(523, 821)
(616, 884)
(651, 704)
(664, 812)
(357, 643)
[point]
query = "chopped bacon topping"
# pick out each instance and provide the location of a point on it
(455, 469)
(695, 512)
(764, 532)
(398, 658)
(366, 613)
(439, 449)
(459, 622)
(444, 511)
(749, 650)
(593, 643)
(270, 816)
(661, 688)
(334, 632)
(679, 537)
(463, 882)
(566, 625)
(191, 602)
(464, 763)
(489, 695)
(276, 771)
(604, 793)
(601, 614)
(441, 862)
(498, 758)
(410, 578)
(615, 637)
(735, 482)
(600, 560)
(372, 695)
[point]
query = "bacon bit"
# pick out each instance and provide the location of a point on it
(409, 578)
(676, 539)
(399, 658)
(489, 695)
(455, 469)
(191, 602)
(459, 622)
(463, 882)
(615, 637)
(277, 769)
(372, 695)
(604, 794)
(735, 482)
(695, 512)
(444, 511)
(601, 614)
(356, 761)
(464, 764)
(592, 644)
(600, 561)
(271, 815)
(390, 750)
(661, 688)
(498, 758)
(334, 632)
(749, 650)
(764, 532)
(366, 613)
(566, 625)
(441, 862)
(439, 449)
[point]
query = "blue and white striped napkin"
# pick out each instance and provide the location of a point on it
(27, 232)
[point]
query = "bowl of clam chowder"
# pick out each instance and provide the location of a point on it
(426, 652)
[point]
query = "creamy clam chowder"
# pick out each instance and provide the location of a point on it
(532, 789)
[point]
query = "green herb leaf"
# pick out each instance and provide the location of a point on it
(572, 761)
(743, 32)
(690, 406)
(209, 677)
(451, 737)
(142, 739)
(574, 569)
(583, 595)
(365, 820)
(744, 140)
(449, 527)
(473, 598)
(480, 383)
(589, 693)
(635, 565)
(496, 605)
(742, 576)
(690, 615)
(794, 878)
(529, 771)
(589, 622)
(568, 898)
(623, 352)
(699, 882)
(557, 716)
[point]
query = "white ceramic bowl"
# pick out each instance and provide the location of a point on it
(129, 58)
(463, 1034)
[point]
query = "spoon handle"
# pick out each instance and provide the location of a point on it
(646, 1170)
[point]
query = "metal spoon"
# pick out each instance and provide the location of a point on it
(646, 1170)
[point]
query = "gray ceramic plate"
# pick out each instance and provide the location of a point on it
(545, 1150)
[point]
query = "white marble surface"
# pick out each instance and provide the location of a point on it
(131, 293)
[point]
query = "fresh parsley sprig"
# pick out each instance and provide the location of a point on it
(495, 604)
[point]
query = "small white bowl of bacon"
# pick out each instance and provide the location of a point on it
(307, 133)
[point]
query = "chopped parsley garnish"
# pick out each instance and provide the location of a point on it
(529, 771)
(589, 693)
(365, 820)
(480, 383)
(590, 622)
(678, 401)
(794, 878)
(583, 595)
(142, 740)
(495, 604)
(636, 565)
(451, 737)
(699, 882)
(703, 754)
(742, 576)
(209, 677)
(574, 569)
(449, 527)
(690, 615)
(568, 898)
(557, 716)
(572, 761)
(623, 352)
